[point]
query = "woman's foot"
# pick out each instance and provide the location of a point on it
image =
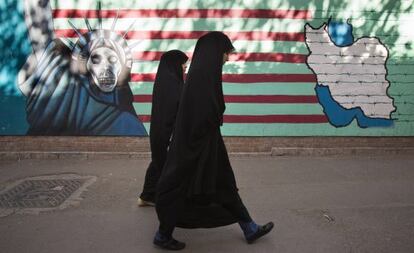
(252, 231)
(261, 231)
(168, 243)
(141, 202)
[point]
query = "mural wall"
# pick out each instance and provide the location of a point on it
(301, 68)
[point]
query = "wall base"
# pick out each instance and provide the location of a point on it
(40, 147)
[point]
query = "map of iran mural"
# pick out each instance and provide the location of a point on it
(301, 68)
(351, 76)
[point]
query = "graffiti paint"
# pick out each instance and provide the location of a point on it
(269, 88)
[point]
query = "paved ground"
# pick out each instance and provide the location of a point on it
(335, 204)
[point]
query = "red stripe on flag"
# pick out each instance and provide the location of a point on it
(275, 119)
(143, 77)
(270, 99)
(270, 57)
(184, 13)
(268, 78)
(145, 118)
(297, 119)
(155, 35)
(266, 57)
(149, 55)
(244, 78)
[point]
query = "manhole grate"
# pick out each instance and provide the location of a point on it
(40, 193)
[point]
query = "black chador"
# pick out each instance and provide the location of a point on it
(197, 187)
(165, 100)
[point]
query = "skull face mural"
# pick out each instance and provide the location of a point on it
(106, 58)
(104, 66)
(82, 87)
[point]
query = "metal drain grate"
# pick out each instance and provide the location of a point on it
(40, 193)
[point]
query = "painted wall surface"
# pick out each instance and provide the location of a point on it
(301, 68)
(14, 49)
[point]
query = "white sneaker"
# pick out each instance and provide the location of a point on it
(142, 203)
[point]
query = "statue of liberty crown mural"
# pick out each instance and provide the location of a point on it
(81, 87)
(103, 53)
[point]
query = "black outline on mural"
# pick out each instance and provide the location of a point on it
(354, 41)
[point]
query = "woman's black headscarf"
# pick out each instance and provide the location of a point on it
(208, 61)
(203, 100)
(166, 92)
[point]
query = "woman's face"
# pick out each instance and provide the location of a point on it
(226, 56)
(184, 66)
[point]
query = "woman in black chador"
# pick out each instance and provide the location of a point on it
(197, 188)
(165, 99)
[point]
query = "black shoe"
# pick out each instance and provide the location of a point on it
(261, 231)
(170, 244)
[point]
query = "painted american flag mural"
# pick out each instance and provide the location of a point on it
(258, 82)
(269, 84)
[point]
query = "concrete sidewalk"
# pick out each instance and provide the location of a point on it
(319, 204)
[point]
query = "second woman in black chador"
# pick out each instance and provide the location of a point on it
(166, 94)
(197, 187)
